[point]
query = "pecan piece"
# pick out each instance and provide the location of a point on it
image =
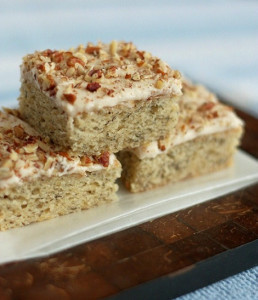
(58, 57)
(70, 72)
(159, 71)
(111, 72)
(14, 156)
(93, 86)
(85, 160)
(96, 73)
(136, 76)
(92, 50)
(47, 52)
(159, 84)
(41, 68)
(206, 106)
(70, 98)
(64, 154)
(161, 146)
(110, 92)
(177, 74)
(113, 48)
(19, 132)
(141, 54)
(50, 82)
(104, 159)
(41, 156)
(30, 148)
(140, 63)
(73, 60)
(53, 92)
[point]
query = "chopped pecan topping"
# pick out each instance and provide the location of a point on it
(183, 128)
(19, 132)
(136, 76)
(177, 74)
(48, 164)
(5, 173)
(14, 156)
(73, 60)
(47, 52)
(85, 160)
(213, 115)
(140, 63)
(97, 73)
(42, 156)
(93, 86)
(70, 72)
(92, 50)
(161, 146)
(113, 47)
(50, 82)
(64, 154)
(30, 148)
(53, 92)
(104, 159)
(141, 54)
(206, 106)
(58, 57)
(87, 67)
(70, 98)
(110, 92)
(41, 68)
(159, 84)
(159, 71)
(111, 72)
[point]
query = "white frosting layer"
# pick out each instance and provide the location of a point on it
(121, 77)
(152, 149)
(86, 102)
(61, 163)
(25, 157)
(200, 114)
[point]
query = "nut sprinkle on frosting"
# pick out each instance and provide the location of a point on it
(80, 79)
(25, 156)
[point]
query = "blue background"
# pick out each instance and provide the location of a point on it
(213, 42)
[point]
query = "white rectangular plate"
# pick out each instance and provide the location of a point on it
(48, 237)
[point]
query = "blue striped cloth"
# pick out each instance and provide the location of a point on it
(213, 42)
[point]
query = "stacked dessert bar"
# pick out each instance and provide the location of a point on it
(99, 98)
(38, 181)
(203, 141)
(76, 109)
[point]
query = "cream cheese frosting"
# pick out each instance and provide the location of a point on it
(24, 156)
(104, 75)
(200, 113)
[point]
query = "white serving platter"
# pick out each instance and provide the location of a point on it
(48, 237)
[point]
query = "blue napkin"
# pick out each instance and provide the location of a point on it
(241, 286)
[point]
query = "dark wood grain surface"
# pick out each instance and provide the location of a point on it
(145, 255)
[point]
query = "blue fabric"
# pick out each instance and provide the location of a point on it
(240, 286)
(214, 42)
